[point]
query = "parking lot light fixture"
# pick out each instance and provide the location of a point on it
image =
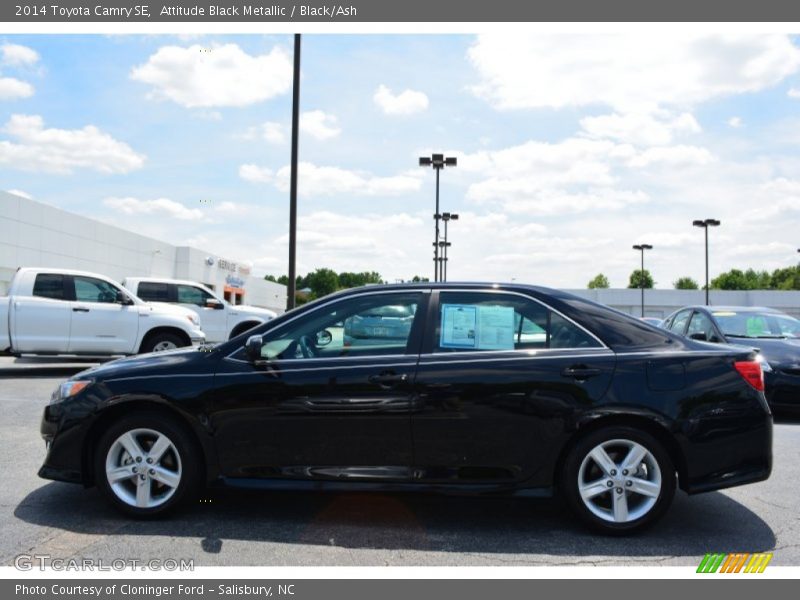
(447, 217)
(642, 248)
(705, 224)
(437, 162)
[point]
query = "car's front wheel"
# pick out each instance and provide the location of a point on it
(618, 479)
(145, 464)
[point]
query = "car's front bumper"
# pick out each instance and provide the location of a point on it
(64, 438)
(783, 388)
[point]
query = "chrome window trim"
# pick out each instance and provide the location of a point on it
(333, 301)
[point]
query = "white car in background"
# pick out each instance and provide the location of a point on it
(61, 311)
(219, 319)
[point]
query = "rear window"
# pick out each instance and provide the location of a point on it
(49, 285)
(153, 292)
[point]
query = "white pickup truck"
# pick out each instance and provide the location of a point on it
(220, 320)
(59, 311)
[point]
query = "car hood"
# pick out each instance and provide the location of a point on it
(135, 365)
(263, 313)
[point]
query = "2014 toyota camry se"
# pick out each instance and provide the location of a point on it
(494, 389)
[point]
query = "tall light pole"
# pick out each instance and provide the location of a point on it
(447, 217)
(705, 224)
(438, 162)
(642, 248)
(291, 288)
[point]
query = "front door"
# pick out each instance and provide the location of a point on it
(499, 378)
(100, 324)
(214, 320)
(332, 397)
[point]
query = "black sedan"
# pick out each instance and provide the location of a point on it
(495, 389)
(774, 334)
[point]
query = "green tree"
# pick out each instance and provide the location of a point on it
(600, 282)
(786, 279)
(736, 279)
(418, 279)
(351, 280)
(685, 283)
(322, 282)
(636, 279)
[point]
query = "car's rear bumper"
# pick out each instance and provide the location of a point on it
(728, 451)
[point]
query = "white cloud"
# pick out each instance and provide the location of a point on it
(13, 89)
(319, 125)
(14, 55)
(157, 207)
(269, 131)
(672, 156)
(64, 150)
(641, 129)
(793, 93)
(223, 75)
(316, 180)
(735, 122)
(20, 193)
(256, 174)
(406, 102)
(516, 198)
(630, 73)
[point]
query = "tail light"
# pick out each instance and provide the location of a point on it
(751, 371)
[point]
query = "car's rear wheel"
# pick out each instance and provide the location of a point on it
(618, 479)
(144, 464)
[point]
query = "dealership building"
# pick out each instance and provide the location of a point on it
(34, 234)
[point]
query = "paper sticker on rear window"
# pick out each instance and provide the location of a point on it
(477, 327)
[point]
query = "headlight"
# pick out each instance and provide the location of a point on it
(763, 362)
(69, 389)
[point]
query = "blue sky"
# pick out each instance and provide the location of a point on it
(571, 148)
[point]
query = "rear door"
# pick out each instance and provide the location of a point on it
(99, 323)
(42, 321)
(498, 381)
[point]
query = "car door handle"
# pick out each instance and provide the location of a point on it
(580, 372)
(387, 380)
(79, 309)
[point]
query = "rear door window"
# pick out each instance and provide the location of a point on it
(49, 285)
(152, 291)
(477, 321)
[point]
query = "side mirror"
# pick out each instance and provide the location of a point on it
(214, 303)
(324, 337)
(122, 298)
(699, 336)
(252, 348)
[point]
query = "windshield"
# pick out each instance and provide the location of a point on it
(753, 324)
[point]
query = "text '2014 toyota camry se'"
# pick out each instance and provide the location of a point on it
(457, 388)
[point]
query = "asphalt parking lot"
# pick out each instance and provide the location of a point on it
(285, 528)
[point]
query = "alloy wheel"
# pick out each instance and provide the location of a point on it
(619, 481)
(143, 468)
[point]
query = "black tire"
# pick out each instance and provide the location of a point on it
(241, 328)
(152, 341)
(189, 462)
(571, 471)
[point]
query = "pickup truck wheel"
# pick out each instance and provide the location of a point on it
(159, 342)
(144, 464)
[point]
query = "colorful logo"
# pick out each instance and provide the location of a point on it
(738, 562)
